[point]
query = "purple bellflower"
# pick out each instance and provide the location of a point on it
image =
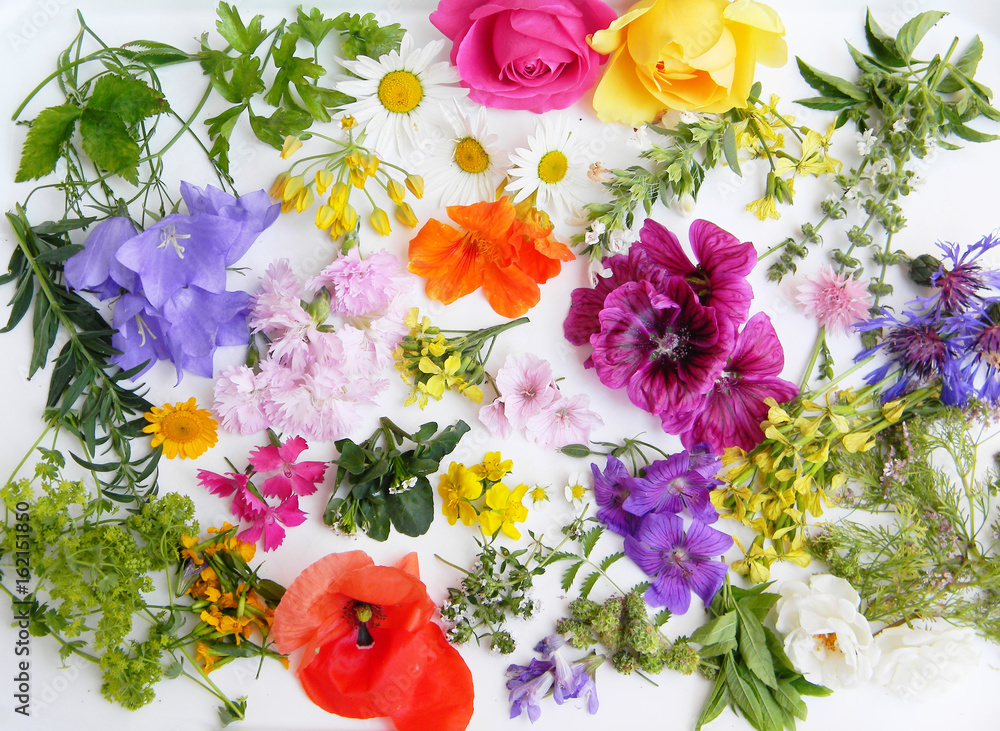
(95, 268)
(254, 212)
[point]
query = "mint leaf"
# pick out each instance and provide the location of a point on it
(49, 131)
(108, 144)
(129, 98)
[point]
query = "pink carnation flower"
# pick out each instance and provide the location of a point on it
(269, 522)
(239, 400)
(292, 478)
(360, 287)
(837, 301)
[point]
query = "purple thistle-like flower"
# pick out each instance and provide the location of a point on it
(679, 562)
(979, 332)
(729, 415)
(960, 284)
(660, 344)
(528, 684)
(920, 352)
(719, 277)
(670, 486)
(610, 492)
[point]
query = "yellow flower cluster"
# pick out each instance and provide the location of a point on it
(349, 167)
(461, 487)
(432, 364)
(791, 474)
(229, 608)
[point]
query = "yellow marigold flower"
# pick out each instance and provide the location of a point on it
(457, 488)
(324, 179)
(189, 542)
(415, 184)
(406, 216)
(396, 191)
(183, 429)
(290, 146)
(505, 509)
(380, 222)
(493, 468)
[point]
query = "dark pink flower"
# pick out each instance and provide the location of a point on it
(269, 522)
(292, 478)
(719, 277)
(729, 415)
(222, 485)
(660, 344)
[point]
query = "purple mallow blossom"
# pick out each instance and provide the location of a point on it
(679, 562)
(672, 485)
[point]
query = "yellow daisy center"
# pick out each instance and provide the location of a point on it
(400, 91)
(552, 167)
(471, 156)
(181, 427)
(578, 491)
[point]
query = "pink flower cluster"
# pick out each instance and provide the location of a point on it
(325, 359)
(251, 505)
(668, 332)
(531, 403)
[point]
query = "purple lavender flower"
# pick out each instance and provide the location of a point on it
(528, 684)
(679, 562)
(729, 415)
(95, 268)
(660, 344)
(610, 492)
(920, 351)
(669, 486)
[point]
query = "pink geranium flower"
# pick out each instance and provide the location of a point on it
(269, 522)
(292, 478)
(837, 301)
(566, 421)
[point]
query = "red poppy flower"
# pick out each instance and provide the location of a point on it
(370, 647)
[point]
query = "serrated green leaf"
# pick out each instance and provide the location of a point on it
(362, 36)
(313, 27)
(913, 32)
(107, 142)
(130, 98)
(742, 695)
(804, 687)
(753, 646)
(50, 130)
(587, 585)
(789, 699)
(662, 617)
(608, 561)
(719, 629)
(589, 540)
(243, 38)
(966, 66)
(569, 575)
(245, 81)
(828, 84)
(718, 648)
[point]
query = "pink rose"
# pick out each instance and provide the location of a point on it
(524, 54)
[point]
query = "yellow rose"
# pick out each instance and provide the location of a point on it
(689, 55)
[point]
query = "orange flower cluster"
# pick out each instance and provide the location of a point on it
(505, 249)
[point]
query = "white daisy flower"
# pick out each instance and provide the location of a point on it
(463, 168)
(552, 167)
(395, 93)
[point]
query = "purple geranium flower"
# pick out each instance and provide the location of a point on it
(669, 486)
(660, 344)
(95, 267)
(729, 415)
(610, 492)
(679, 562)
(719, 277)
(254, 212)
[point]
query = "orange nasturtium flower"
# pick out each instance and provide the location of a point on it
(371, 649)
(506, 251)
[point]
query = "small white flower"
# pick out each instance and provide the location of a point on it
(639, 139)
(866, 142)
(593, 234)
(619, 241)
(576, 490)
(899, 125)
(927, 660)
(688, 117)
(685, 204)
(827, 639)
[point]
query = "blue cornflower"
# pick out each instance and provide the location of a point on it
(963, 278)
(980, 334)
(921, 350)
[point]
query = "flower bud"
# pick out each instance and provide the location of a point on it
(324, 179)
(380, 221)
(416, 185)
(292, 188)
(349, 217)
(304, 199)
(339, 196)
(279, 186)
(292, 143)
(396, 191)
(325, 216)
(406, 216)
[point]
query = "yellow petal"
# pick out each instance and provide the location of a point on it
(613, 37)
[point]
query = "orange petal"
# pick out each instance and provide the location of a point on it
(491, 219)
(452, 269)
(510, 291)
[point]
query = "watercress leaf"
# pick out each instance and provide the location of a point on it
(445, 443)
(49, 131)
(719, 629)
(425, 432)
(378, 525)
(130, 98)
(421, 466)
(107, 142)
(412, 510)
(352, 457)
(913, 31)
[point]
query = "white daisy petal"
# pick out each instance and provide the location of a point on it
(464, 167)
(552, 167)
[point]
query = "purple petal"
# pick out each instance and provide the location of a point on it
(95, 268)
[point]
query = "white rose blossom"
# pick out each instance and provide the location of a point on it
(922, 661)
(827, 639)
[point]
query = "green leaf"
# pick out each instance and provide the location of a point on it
(730, 149)
(914, 30)
(412, 510)
(108, 144)
(245, 81)
(789, 699)
(716, 703)
(760, 604)
(742, 694)
(425, 432)
(882, 45)
(130, 98)
(50, 130)
(243, 38)
(313, 27)
(60, 254)
(608, 561)
(966, 66)
(971, 135)
(587, 585)
(828, 84)
(20, 302)
(753, 647)
(155, 53)
(569, 575)
(589, 540)
(362, 36)
(352, 458)
(445, 442)
(662, 617)
(826, 103)
(773, 716)
(719, 629)
(804, 687)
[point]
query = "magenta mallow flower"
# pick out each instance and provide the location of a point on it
(292, 478)
(670, 486)
(836, 301)
(660, 344)
(678, 562)
(729, 415)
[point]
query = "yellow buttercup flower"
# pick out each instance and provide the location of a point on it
(183, 429)
(457, 488)
(493, 468)
(505, 509)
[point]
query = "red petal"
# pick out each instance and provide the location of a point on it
(445, 694)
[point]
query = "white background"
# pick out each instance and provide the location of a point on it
(957, 203)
